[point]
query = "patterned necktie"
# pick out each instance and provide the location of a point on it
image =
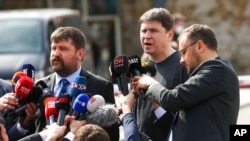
(64, 83)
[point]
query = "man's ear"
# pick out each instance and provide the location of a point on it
(81, 54)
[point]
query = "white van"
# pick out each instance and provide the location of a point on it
(25, 37)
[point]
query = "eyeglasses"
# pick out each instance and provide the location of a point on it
(183, 51)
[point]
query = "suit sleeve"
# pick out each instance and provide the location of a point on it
(32, 137)
(130, 128)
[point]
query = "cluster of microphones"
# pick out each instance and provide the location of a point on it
(122, 68)
(78, 103)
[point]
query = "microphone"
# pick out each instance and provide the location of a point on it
(62, 105)
(104, 116)
(29, 70)
(121, 67)
(94, 102)
(114, 75)
(34, 96)
(45, 88)
(135, 67)
(43, 100)
(16, 77)
(80, 105)
(148, 68)
(79, 85)
(51, 112)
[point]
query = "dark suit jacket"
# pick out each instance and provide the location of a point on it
(208, 102)
(95, 85)
(130, 128)
(37, 137)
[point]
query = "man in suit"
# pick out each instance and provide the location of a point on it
(67, 53)
(208, 102)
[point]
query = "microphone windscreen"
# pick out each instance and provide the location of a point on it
(94, 102)
(104, 116)
(121, 64)
(29, 70)
(79, 85)
(149, 68)
(23, 86)
(135, 65)
(80, 103)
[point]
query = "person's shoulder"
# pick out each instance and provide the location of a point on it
(5, 86)
(97, 77)
(46, 78)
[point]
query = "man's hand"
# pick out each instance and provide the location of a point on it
(30, 113)
(8, 101)
(55, 132)
(127, 102)
(74, 125)
(142, 82)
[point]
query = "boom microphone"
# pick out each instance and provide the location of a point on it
(80, 105)
(29, 70)
(62, 105)
(121, 67)
(105, 116)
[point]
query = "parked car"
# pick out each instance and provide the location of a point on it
(25, 37)
(244, 81)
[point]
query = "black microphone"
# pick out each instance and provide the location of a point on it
(121, 67)
(62, 105)
(34, 96)
(148, 68)
(114, 75)
(135, 66)
(45, 88)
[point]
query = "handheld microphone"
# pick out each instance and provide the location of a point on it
(34, 96)
(79, 85)
(148, 68)
(104, 116)
(51, 112)
(43, 100)
(114, 75)
(80, 105)
(45, 88)
(135, 66)
(29, 70)
(16, 77)
(121, 67)
(62, 105)
(23, 87)
(94, 102)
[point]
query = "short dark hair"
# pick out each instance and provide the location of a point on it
(161, 15)
(66, 33)
(201, 32)
(91, 132)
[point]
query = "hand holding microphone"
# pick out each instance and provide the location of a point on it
(8, 101)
